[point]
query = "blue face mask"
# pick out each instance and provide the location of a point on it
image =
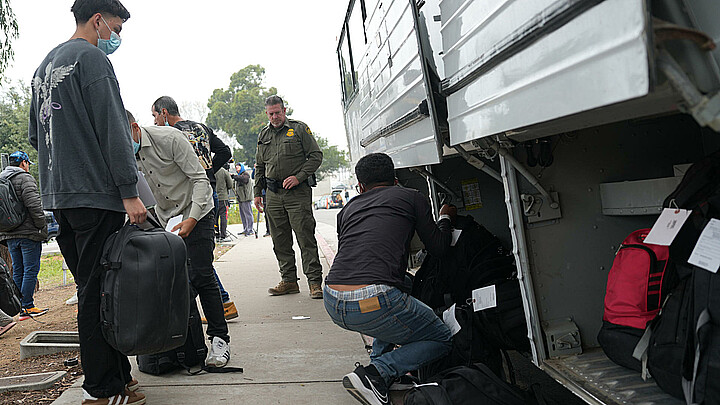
(109, 45)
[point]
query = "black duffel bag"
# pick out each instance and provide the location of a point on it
(470, 385)
(145, 291)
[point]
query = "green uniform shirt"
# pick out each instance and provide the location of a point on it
(290, 150)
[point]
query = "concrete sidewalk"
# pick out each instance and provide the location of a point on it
(286, 361)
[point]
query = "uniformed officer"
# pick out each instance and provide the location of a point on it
(287, 154)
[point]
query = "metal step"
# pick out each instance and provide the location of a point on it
(597, 380)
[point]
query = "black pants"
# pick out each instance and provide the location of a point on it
(200, 245)
(222, 218)
(81, 238)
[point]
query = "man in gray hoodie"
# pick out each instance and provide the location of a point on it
(25, 241)
(88, 176)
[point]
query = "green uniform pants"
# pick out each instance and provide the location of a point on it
(288, 211)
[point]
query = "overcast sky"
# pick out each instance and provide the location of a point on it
(187, 48)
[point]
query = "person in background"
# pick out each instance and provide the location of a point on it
(244, 194)
(267, 227)
(212, 153)
(362, 291)
(88, 176)
(223, 187)
(25, 241)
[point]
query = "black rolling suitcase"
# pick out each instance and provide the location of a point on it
(145, 292)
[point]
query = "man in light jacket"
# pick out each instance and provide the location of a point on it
(181, 187)
(25, 241)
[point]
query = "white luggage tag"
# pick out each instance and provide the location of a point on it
(667, 226)
(706, 254)
(450, 320)
(484, 298)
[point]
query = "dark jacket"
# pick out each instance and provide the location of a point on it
(79, 126)
(34, 227)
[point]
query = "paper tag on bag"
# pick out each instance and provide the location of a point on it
(455, 236)
(450, 320)
(172, 222)
(667, 226)
(707, 250)
(484, 298)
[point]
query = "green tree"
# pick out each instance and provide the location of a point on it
(14, 117)
(239, 110)
(8, 33)
(333, 158)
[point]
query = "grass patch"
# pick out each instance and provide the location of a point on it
(51, 272)
(234, 215)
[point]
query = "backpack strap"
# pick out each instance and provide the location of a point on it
(700, 332)
(641, 351)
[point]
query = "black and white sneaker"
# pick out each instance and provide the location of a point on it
(367, 388)
(219, 353)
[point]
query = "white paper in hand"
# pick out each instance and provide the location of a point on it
(707, 250)
(484, 298)
(667, 226)
(172, 222)
(451, 321)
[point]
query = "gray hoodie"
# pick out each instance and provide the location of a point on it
(79, 127)
(34, 226)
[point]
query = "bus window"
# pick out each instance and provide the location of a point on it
(348, 85)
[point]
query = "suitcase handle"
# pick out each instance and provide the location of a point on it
(150, 223)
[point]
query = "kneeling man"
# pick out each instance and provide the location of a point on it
(361, 291)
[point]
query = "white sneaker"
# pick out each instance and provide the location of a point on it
(72, 300)
(219, 354)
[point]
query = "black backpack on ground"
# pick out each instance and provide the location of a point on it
(9, 293)
(145, 290)
(469, 385)
(190, 354)
(12, 210)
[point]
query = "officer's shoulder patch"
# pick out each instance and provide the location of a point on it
(307, 129)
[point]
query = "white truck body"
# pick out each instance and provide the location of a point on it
(618, 96)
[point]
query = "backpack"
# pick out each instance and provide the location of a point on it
(199, 137)
(638, 282)
(477, 260)
(145, 290)
(682, 345)
(190, 354)
(9, 293)
(12, 210)
(469, 385)
(668, 336)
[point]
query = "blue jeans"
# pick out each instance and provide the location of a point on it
(399, 320)
(25, 255)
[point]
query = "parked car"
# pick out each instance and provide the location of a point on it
(52, 224)
(337, 198)
(321, 203)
